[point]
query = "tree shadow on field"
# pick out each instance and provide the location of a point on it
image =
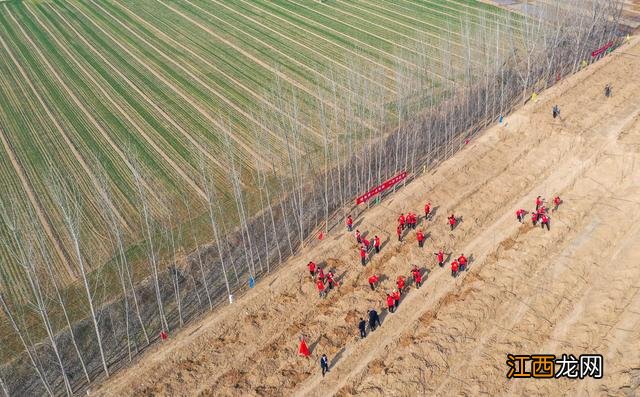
(337, 357)
(357, 223)
(382, 278)
(448, 258)
(340, 277)
(383, 314)
(385, 242)
(470, 260)
(433, 212)
(364, 234)
(312, 346)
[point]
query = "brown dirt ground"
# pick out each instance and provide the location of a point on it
(573, 289)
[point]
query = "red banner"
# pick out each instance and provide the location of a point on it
(382, 187)
(602, 49)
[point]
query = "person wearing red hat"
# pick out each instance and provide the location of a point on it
(363, 255)
(556, 203)
(349, 223)
(454, 268)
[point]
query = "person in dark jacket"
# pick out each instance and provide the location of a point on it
(362, 325)
(373, 319)
(324, 364)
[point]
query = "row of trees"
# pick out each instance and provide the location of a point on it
(63, 338)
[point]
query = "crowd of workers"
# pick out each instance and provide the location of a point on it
(406, 223)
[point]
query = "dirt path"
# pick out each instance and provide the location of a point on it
(570, 290)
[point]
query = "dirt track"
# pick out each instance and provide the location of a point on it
(571, 290)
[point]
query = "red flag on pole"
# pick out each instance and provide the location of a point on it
(303, 350)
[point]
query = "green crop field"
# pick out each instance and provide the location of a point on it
(92, 90)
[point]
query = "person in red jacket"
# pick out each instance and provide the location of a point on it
(330, 281)
(363, 255)
(556, 203)
(320, 286)
(544, 221)
(454, 268)
(462, 260)
(427, 211)
(534, 218)
(417, 276)
(399, 232)
(539, 201)
(358, 237)
(312, 268)
(410, 220)
(420, 238)
(391, 303)
(440, 255)
(367, 244)
(320, 274)
(400, 284)
(349, 223)
(401, 221)
(396, 298)
(520, 215)
(376, 244)
(452, 221)
(541, 211)
(373, 281)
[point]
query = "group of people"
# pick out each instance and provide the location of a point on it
(324, 282)
(365, 246)
(541, 213)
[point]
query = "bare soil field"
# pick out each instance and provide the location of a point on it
(573, 289)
